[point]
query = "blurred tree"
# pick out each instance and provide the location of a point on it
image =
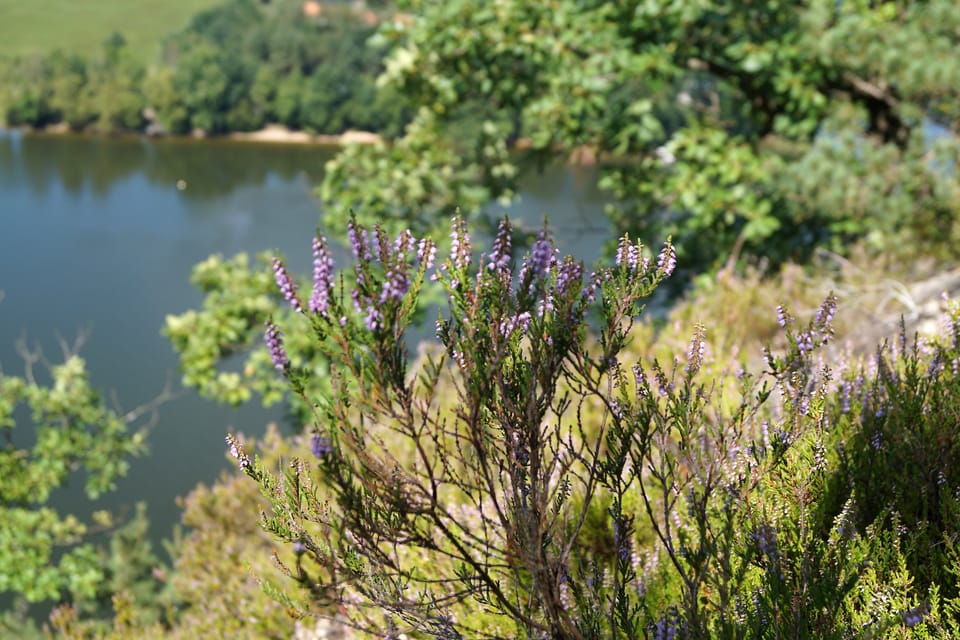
(758, 126)
(116, 87)
(43, 554)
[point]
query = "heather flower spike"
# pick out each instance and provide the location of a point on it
(628, 254)
(274, 340)
(460, 247)
(499, 258)
(320, 446)
(426, 253)
(286, 285)
(322, 277)
(237, 452)
(542, 257)
(667, 260)
(697, 349)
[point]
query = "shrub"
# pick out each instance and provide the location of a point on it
(530, 478)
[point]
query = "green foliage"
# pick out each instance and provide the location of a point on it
(104, 92)
(42, 553)
(234, 68)
(239, 299)
(752, 127)
(244, 63)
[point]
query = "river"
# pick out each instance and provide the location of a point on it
(96, 238)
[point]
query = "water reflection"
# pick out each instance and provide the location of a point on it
(209, 169)
(95, 234)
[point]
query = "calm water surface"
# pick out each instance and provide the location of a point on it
(96, 238)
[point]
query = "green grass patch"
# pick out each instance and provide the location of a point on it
(30, 27)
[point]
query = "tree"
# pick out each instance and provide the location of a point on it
(43, 554)
(750, 126)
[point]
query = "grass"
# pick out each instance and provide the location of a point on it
(35, 26)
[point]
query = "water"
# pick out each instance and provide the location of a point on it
(96, 238)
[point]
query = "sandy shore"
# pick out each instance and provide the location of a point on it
(270, 134)
(275, 133)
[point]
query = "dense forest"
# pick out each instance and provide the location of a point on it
(557, 463)
(235, 67)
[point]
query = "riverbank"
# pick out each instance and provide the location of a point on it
(279, 134)
(270, 134)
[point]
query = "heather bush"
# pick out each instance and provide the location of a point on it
(532, 476)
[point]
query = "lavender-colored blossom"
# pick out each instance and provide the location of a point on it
(569, 275)
(373, 319)
(696, 350)
(826, 312)
(667, 260)
(286, 285)
(274, 339)
(322, 277)
(667, 627)
(404, 242)
(320, 446)
(396, 284)
(426, 253)
(521, 321)
(804, 342)
(499, 258)
(299, 548)
(460, 247)
(639, 380)
(628, 254)
(236, 450)
(543, 255)
(783, 318)
(913, 617)
(589, 293)
(359, 241)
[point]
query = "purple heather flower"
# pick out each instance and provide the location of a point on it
(913, 617)
(320, 446)
(826, 312)
(404, 242)
(286, 285)
(804, 342)
(236, 450)
(569, 274)
(628, 255)
(499, 258)
(372, 319)
(322, 277)
(522, 322)
(667, 260)
(695, 352)
(460, 247)
(299, 547)
(359, 241)
(426, 253)
(543, 256)
(782, 317)
(274, 340)
(396, 284)
(639, 380)
(589, 292)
